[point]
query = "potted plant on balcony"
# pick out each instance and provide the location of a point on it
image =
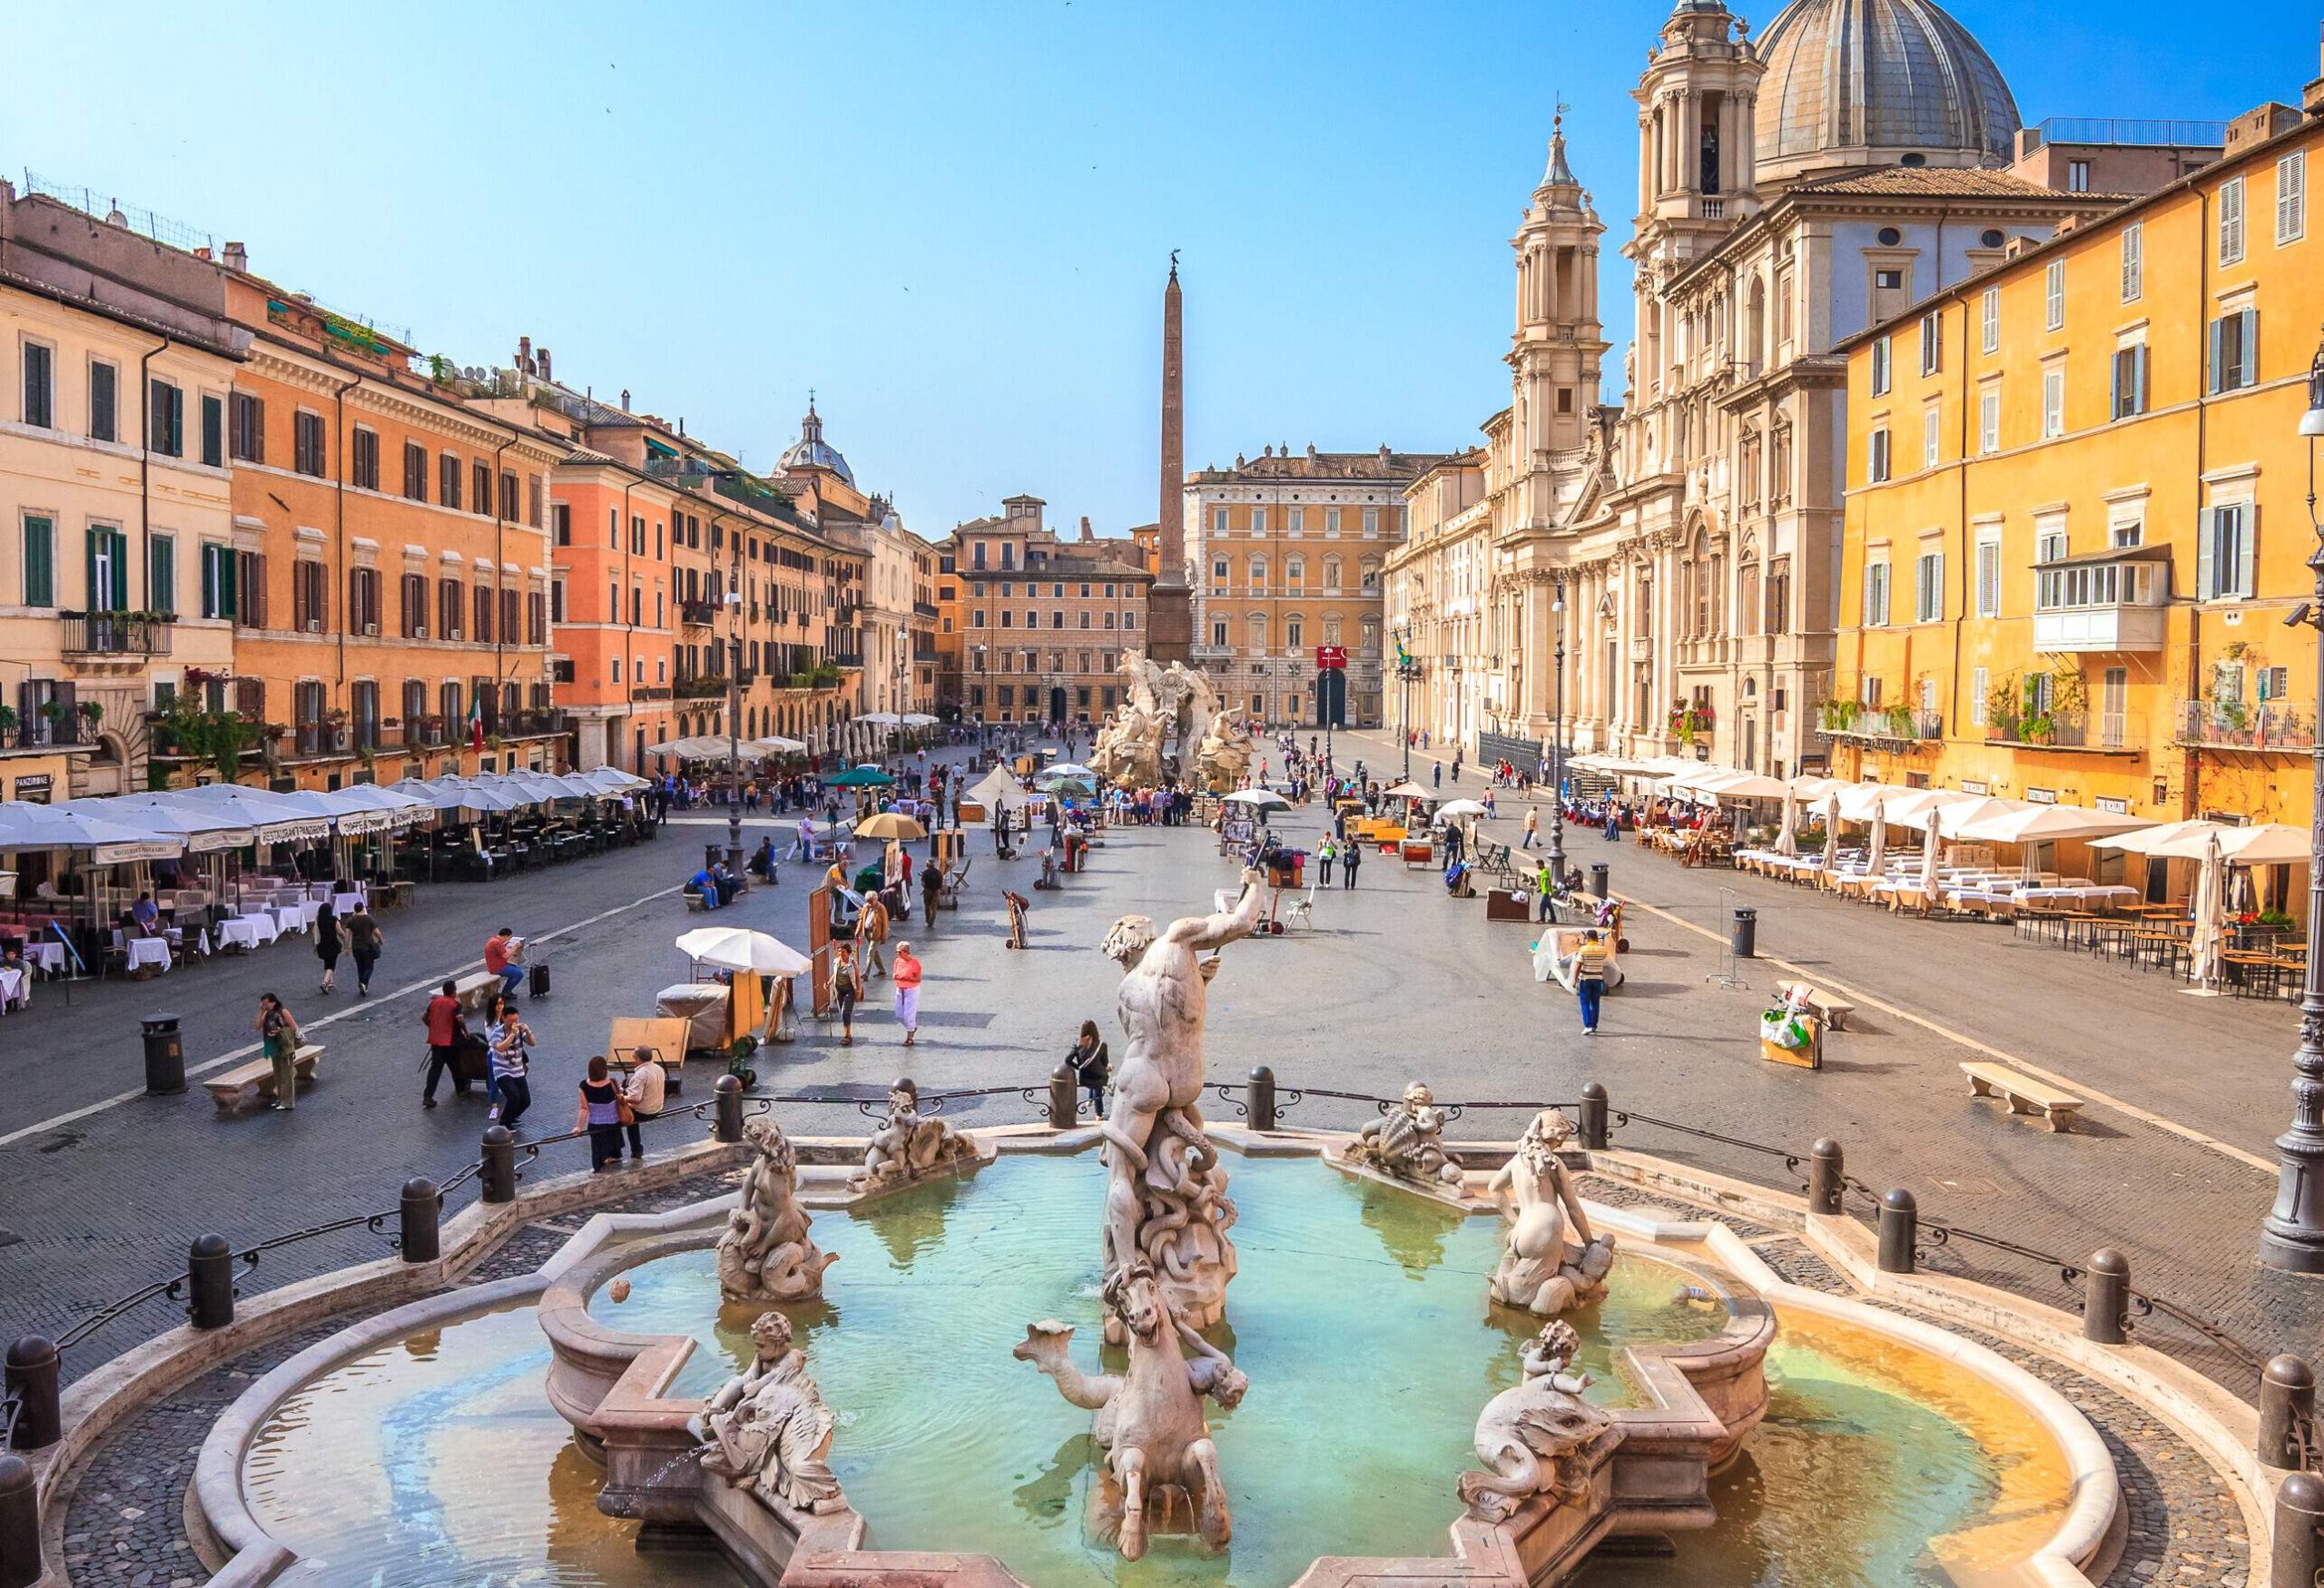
(7, 722)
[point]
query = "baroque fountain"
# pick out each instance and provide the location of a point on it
(1431, 1362)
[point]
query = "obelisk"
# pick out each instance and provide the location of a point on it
(1169, 607)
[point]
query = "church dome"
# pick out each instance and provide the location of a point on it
(1872, 82)
(812, 451)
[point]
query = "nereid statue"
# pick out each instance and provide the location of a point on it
(766, 1253)
(906, 1146)
(1407, 1141)
(1549, 1261)
(1540, 1438)
(767, 1429)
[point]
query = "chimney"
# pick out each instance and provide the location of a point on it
(624, 400)
(203, 253)
(238, 258)
(545, 374)
(525, 354)
(1086, 535)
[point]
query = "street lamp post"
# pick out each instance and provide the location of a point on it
(2293, 1235)
(1557, 739)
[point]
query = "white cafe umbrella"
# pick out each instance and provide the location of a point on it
(2035, 823)
(1409, 790)
(203, 831)
(2177, 839)
(30, 827)
(1266, 799)
(1930, 851)
(2267, 844)
(611, 779)
(2210, 912)
(1831, 833)
(276, 818)
(774, 745)
(733, 948)
(1876, 850)
(1462, 808)
(918, 719)
(1787, 838)
(885, 719)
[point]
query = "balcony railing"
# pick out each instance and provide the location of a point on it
(1876, 725)
(2233, 726)
(117, 634)
(308, 740)
(39, 733)
(697, 687)
(2067, 731)
(923, 608)
(533, 722)
(696, 613)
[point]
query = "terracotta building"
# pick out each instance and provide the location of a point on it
(1288, 551)
(1032, 625)
(2076, 528)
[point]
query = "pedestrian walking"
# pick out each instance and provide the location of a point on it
(1351, 857)
(1436, 774)
(511, 1070)
(1532, 827)
(364, 941)
(847, 985)
(328, 943)
(648, 1086)
(1590, 978)
(931, 884)
(600, 1114)
(278, 1033)
(445, 1029)
(1544, 886)
(871, 932)
(907, 979)
(1091, 1066)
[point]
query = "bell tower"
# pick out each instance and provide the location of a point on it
(1559, 340)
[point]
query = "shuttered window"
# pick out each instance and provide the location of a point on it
(107, 567)
(415, 471)
(2235, 351)
(414, 606)
(104, 401)
(2130, 382)
(363, 460)
(246, 428)
(162, 574)
(447, 479)
(250, 589)
(214, 432)
(40, 562)
(307, 451)
(2226, 553)
(40, 385)
(165, 420)
(217, 580)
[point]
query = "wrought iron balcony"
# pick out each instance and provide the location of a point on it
(697, 687)
(117, 634)
(696, 613)
(2231, 725)
(1876, 725)
(2070, 731)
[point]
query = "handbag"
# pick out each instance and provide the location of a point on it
(623, 1112)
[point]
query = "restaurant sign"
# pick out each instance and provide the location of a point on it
(35, 789)
(2112, 807)
(2043, 796)
(1971, 785)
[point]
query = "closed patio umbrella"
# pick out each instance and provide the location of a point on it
(2210, 915)
(1831, 833)
(1787, 840)
(1929, 860)
(1877, 849)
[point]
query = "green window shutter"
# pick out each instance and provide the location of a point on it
(40, 562)
(2211, 382)
(93, 598)
(229, 575)
(210, 607)
(164, 574)
(214, 428)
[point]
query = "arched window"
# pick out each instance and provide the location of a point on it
(1332, 575)
(1755, 335)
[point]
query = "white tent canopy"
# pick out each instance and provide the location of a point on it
(2038, 824)
(202, 830)
(30, 827)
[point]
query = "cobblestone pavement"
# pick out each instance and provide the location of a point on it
(1393, 982)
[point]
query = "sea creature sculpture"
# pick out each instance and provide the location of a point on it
(766, 1253)
(1539, 1437)
(767, 1429)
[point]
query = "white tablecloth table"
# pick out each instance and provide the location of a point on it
(16, 990)
(49, 956)
(145, 952)
(343, 904)
(246, 931)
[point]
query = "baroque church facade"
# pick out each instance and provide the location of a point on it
(1681, 549)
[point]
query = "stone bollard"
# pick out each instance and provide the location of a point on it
(726, 1122)
(1064, 1109)
(2287, 1411)
(1827, 1177)
(421, 1204)
(31, 1378)
(1900, 1229)
(1592, 1123)
(2298, 1554)
(164, 1055)
(2106, 1297)
(1260, 1103)
(497, 1180)
(209, 1282)
(19, 1524)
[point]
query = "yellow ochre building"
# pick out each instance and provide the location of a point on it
(2076, 520)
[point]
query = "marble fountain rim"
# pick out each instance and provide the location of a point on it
(256, 1556)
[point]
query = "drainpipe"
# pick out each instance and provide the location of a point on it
(499, 574)
(2191, 784)
(339, 521)
(144, 474)
(1961, 514)
(628, 636)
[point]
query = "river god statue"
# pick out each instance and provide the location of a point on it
(768, 1430)
(1549, 1260)
(766, 1253)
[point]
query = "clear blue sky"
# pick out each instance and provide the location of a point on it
(952, 220)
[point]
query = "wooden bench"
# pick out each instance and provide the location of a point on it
(2026, 1095)
(476, 991)
(1832, 1011)
(248, 1084)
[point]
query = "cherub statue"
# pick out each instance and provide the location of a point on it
(1539, 1437)
(1549, 1261)
(1407, 1141)
(1149, 1421)
(766, 1253)
(906, 1145)
(767, 1429)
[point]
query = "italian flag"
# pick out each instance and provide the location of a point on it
(476, 721)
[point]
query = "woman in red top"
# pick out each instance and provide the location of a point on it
(906, 974)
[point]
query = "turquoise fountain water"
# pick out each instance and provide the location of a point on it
(1359, 1313)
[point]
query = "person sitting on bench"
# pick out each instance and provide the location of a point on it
(500, 953)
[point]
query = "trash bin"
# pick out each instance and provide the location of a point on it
(1598, 883)
(164, 1054)
(1744, 936)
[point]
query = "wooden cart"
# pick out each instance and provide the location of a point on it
(664, 1037)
